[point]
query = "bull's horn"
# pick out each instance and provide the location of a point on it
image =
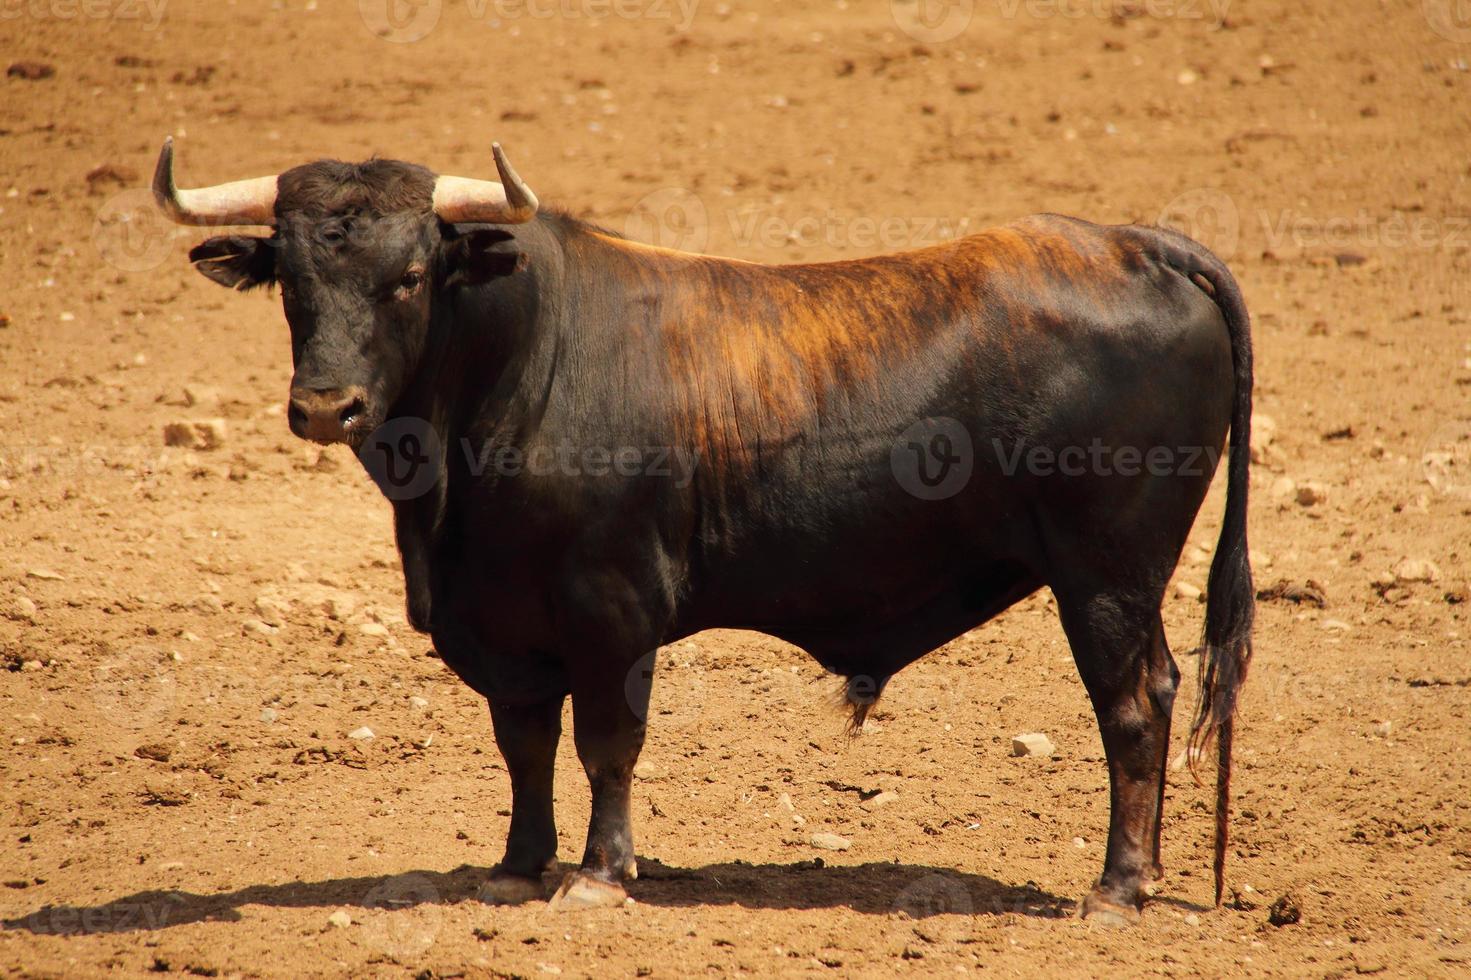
(509, 202)
(241, 202)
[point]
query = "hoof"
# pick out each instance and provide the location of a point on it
(581, 890)
(1103, 911)
(503, 888)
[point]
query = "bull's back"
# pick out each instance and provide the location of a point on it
(813, 393)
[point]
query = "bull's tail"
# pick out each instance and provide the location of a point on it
(1231, 600)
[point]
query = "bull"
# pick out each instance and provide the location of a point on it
(887, 452)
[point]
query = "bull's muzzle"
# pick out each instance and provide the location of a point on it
(326, 415)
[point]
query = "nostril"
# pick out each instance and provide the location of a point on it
(295, 414)
(353, 409)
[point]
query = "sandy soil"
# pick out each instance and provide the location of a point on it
(178, 791)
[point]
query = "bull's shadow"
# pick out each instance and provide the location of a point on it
(875, 888)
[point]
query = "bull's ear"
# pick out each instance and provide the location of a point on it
(482, 255)
(238, 261)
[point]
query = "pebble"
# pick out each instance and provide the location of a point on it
(268, 715)
(339, 607)
(1079, 843)
(1192, 919)
(1311, 494)
(339, 920)
(1187, 591)
(208, 397)
(360, 733)
(1336, 624)
(200, 434)
(259, 628)
(879, 800)
(271, 611)
(373, 629)
(1033, 744)
(831, 842)
(23, 608)
(1416, 570)
(31, 665)
(1384, 728)
(419, 702)
(44, 574)
(1187, 77)
(209, 604)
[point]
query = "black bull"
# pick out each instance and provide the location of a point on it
(878, 455)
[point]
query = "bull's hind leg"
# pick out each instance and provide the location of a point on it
(1119, 646)
(608, 712)
(527, 737)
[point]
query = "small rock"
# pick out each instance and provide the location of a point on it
(1192, 919)
(201, 434)
(109, 173)
(373, 629)
(418, 702)
(1337, 624)
(1079, 843)
(209, 604)
(1187, 77)
(156, 751)
(359, 734)
(259, 628)
(1311, 493)
(339, 920)
(1284, 487)
(271, 611)
(1284, 912)
(1416, 570)
(789, 814)
(204, 397)
(32, 665)
(1032, 744)
(881, 799)
(31, 71)
(1187, 591)
(22, 608)
(1384, 728)
(44, 574)
(831, 842)
(339, 607)
(268, 715)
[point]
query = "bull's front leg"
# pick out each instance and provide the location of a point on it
(609, 705)
(527, 736)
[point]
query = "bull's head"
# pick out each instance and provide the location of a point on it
(360, 252)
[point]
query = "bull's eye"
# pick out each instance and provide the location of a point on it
(411, 282)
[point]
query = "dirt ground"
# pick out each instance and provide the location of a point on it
(191, 634)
